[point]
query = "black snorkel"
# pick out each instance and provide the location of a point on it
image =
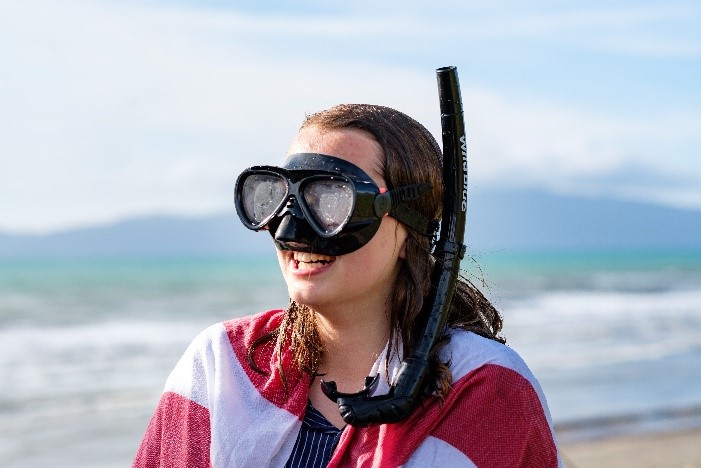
(359, 409)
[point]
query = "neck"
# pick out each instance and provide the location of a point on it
(352, 340)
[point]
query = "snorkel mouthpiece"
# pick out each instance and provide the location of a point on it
(361, 409)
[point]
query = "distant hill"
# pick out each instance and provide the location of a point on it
(539, 220)
(151, 236)
(516, 220)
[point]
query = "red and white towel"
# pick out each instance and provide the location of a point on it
(217, 411)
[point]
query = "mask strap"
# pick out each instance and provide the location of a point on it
(392, 202)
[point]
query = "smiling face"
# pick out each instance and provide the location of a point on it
(365, 277)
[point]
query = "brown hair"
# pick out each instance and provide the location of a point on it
(411, 155)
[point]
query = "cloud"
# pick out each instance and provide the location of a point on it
(655, 29)
(114, 110)
(524, 142)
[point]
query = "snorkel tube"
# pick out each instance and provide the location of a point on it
(359, 409)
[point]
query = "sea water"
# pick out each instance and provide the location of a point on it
(613, 337)
(86, 345)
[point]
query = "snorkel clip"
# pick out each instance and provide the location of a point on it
(443, 246)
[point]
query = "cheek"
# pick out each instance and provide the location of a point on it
(387, 246)
(279, 257)
(282, 261)
(391, 237)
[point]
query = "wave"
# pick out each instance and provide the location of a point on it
(566, 329)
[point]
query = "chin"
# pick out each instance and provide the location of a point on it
(313, 301)
(303, 298)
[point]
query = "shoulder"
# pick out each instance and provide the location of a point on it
(215, 350)
(250, 328)
(496, 395)
(495, 374)
(468, 352)
(243, 329)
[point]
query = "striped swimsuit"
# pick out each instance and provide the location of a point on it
(316, 441)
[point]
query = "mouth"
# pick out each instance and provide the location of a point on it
(309, 261)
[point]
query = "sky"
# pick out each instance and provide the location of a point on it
(118, 109)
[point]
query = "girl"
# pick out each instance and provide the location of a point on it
(247, 391)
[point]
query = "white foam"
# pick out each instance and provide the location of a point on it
(581, 328)
(73, 361)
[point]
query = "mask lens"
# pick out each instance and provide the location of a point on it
(262, 194)
(330, 201)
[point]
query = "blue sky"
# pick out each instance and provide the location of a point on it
(116, 109)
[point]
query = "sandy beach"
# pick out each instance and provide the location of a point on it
(680, 449)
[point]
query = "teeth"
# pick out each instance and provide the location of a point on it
(307, 257)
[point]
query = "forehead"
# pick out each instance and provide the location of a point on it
(353, 145)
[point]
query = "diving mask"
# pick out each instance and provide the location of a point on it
(322, 204)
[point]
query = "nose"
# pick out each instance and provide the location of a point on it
(293, 227)
(292, 207)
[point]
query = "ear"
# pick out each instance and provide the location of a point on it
(402, 237)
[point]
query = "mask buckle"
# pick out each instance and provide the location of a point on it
(393, 201)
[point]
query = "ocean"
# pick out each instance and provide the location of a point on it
(86, 345)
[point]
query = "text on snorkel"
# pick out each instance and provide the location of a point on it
(463, 146)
